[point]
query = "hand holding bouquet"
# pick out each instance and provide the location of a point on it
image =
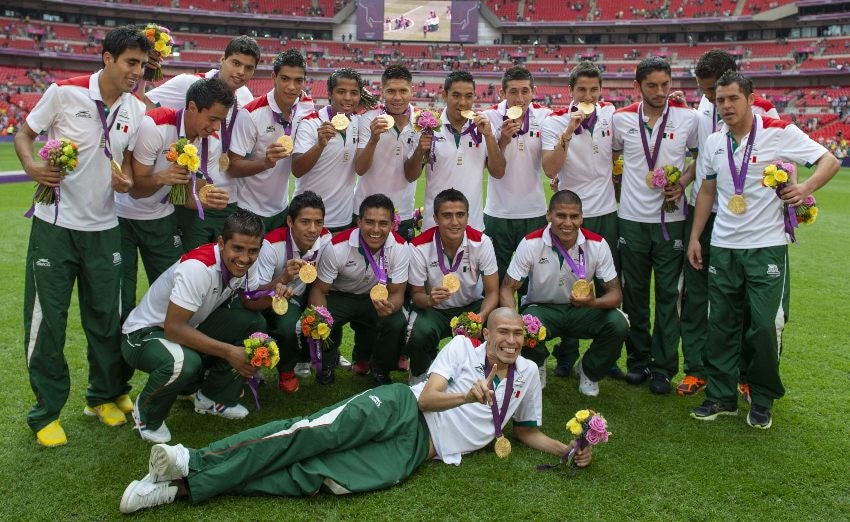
(316, 323)
(261, 351)
(776, 176)
(162, 42)
(589, 429)
(661, 178)
(186, 155)
(60, 153)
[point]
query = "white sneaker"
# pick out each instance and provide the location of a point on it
(157, 436)
(206, 406)
(413, 380)
(168, 463)
(142, 494)
(585, 385)
(303, 369)
(343, 362)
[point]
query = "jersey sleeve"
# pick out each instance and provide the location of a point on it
(449, 359)
(244, 135)
(705, 170)
(617, 136)
(551, 132)
(364, 130)
(418, 272)
(149, 144)
(799, 148)
(530, 409)
(400, 265)
(173, 92)
(306, 136)
(693, 132)
(42, 116)
(327, 266)
(191, 284)
(487, 257)
(521, 263)
(605, 263)
(266, 263)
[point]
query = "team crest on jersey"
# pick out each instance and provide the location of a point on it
(83, 114)
(270, 129)
(632, 131)
(543, 261)
(433, 264)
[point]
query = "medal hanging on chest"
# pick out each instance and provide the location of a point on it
(503, 445)
(450, 279)
(737, 204)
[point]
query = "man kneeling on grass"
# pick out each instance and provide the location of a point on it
(372, 440)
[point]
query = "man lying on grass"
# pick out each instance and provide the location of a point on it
(374, 439)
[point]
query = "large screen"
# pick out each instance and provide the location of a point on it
(418, 21)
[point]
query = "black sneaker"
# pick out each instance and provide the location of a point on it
(380, 378)
(563, 368)
(638, 375)
(615, 372)
(759, 417)
(326, 376)
(711, 410)
(660, 384)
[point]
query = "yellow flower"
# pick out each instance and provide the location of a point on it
(574, 427)
(166, 52)
(183, 159)
(582, 415)
(159, 46)
(194, 164)
(453, 322)
(190, 149)
(541, 334)
(781, 176)
(323, 330)
(67, 150)
(769, 181)
(770, 170)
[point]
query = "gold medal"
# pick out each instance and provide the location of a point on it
(379, 292)
(586, 108)
(502, 447)
(286, 141)
(468, 114)
(204, 191)
(307, 273)
(279, 305)
(649, 182)
(737, 204)
(514, 112)
(582, 288)
(116, 168)
(223, 162)
(340, 122)
(389, 119)
(452, 282)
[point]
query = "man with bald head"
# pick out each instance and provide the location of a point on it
(393, 425)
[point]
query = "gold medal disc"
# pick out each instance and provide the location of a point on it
(389, 119)
(452, 282)
(307, 273)
(116, 168)
(340, 122)
(586, 108)
(204, 191)
(582, 288)
(379, 292)
(737, 204)
(649, 182)
(502, 447)
(514, 112)
(279, 305)
(468, 114)
(223, 162)
(286, 141)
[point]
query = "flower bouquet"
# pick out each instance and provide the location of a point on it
(396, 220)
(664, 177)
(418, 218)
(315, 325)
(776, 176)
(617, 176)
(160, 37)
(535, 332)
(261, 351)
(807, 211)
(468, 324)
(186, 155)
(60, 153)
(589, 429)
(428, 123)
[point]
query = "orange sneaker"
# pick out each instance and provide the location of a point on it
(690, 385)
(744, 392)
(288, 382)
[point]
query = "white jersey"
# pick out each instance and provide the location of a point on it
(587, 167)
(469, 427)
(274, 255)
(386, 175)
(638, 202)
(519, 194)
(459, 165)
(709, 123)
(68, 109)
(550, 278)
(172, 93)
(194, 283)
(332, 177)
(343, 264)
(259, 125)
(479, 259)
(761, 225)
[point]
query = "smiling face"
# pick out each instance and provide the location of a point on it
(237, 70)
(566, 220)
(202, 123)
(239, 253)
(451, 218)
(375, 226)
(505, 335)
(654, 89)
(288, 83)
(459, 98)
(306, 227)
(397, 95)
(346, 96)
(125, 71)
(587, 89)
(518, 92)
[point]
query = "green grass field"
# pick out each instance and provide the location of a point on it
(659, 464)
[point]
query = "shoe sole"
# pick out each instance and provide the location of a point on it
(218, 414)
(760, 426)
(160, 465)
(128, 494)
(715, 415)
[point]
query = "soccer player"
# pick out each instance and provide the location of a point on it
(77, 238)
(578, 154)
(382, 148)
(370, 441)
(748, 275)
(285, 251)
(145, 216)
(652, 134)
(462, 149)
(187, 331)
(515, 203)
(323, 159)
(258, 160)
(453, 271)
(362, 279)
(560, 262)
(709, 68)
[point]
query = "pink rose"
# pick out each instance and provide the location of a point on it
(593, 437)
(597, 423)
(810, 200)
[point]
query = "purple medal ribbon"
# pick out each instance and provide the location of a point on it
(525, 122)
(579, 270)
(473, 134)
(441, 256)
(738, 178)
(379, 268)
(253, 383)
(227, 128)
(315, 353)
(287, 125)
(290, 249)
(587, 123)
(500, 414)
(652, 158)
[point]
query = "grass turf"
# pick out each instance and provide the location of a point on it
(659, 464)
